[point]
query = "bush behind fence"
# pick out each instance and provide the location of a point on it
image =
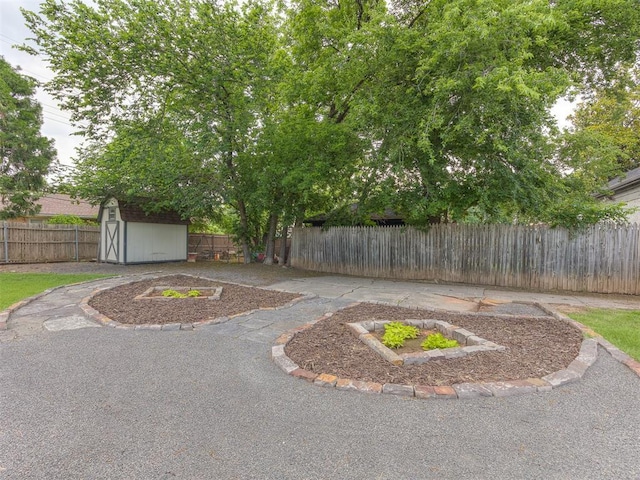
(604, 259)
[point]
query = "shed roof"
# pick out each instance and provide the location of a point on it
(133, 212)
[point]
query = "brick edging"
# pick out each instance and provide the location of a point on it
(574, 371)
(108, 322)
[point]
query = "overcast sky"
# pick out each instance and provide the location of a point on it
(13, 31)
(56, 122)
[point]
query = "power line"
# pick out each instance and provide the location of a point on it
(48, 112)
(55, 120)
(20, 69)
(57, 107)
(35, 75)
(7, 37)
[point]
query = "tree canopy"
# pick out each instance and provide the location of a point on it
(610, 117)
(25, 155)
(437, 109)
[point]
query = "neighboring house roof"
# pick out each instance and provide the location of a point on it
(54, 204)
(630, 180)
(389, 217)
(60, 204)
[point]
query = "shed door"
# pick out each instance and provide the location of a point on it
(112, 242)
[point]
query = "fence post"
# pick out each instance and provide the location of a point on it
(5, 227)
(77, 246)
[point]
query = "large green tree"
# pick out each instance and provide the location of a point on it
(439, 109)
(454, 96)
(25, 155)
(609, 119)
(171, 95)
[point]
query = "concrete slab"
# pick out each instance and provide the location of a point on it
(406, 294)
(374, 295)
(68, 323)
(324, 290)
(429, 300)
(42, 306)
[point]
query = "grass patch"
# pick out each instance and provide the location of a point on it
(620, 327)
(18, 286)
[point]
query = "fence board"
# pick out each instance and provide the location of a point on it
(604, 258)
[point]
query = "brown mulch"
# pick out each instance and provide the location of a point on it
(536, 346)
(118, 303)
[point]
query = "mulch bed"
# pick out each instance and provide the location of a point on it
(118, 303)
(536, 346)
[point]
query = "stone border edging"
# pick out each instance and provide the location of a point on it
(215, 293)
(575, 370)
(468, 341)
(106, 321)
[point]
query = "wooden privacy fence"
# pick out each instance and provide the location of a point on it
(214, 246)
(27, 243)
(221, 247)
(604, 259)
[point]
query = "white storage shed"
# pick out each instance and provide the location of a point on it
(128, 235)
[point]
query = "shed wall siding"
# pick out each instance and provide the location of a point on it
(153, 242)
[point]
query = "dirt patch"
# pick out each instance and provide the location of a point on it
(118, 303)
(536, 346)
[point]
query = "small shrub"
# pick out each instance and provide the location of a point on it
(395, 333)
(437, 340)
(193, 293)
(173, 294)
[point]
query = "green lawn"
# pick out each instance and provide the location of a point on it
(620, 327)
(17, 286)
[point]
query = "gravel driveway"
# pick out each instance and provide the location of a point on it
(98, 403)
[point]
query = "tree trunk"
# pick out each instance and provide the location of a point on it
(271, 239)
(283, 245)
(244, 231)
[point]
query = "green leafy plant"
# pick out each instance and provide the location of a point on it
(173, 294)
(437, 340)
(170, 293)
(395, 333)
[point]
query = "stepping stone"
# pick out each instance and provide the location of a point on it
(68, 323)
